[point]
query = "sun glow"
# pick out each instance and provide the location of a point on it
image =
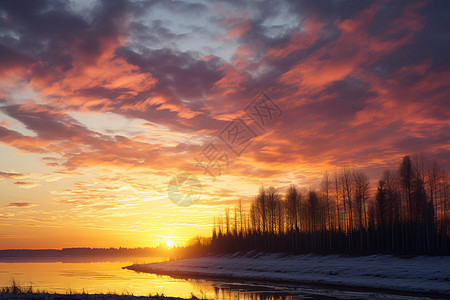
(169, 244)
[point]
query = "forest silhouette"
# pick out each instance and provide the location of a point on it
(407, 213)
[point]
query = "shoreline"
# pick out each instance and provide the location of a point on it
(229, 280)
(51, 296)
(336, 274)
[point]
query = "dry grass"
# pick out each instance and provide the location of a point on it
(16, 289)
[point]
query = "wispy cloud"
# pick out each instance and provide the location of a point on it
(21, 204)
(13, 175)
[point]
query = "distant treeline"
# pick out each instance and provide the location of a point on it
(407, 213)
(85, 252)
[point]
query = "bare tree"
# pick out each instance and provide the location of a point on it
(346, 179)
(325, 184)
(261, 205)
(381, 204)
(273, 198)
(406, 179)
(227, 219)
(361, 192)
(336, 192)
(313, 208)
(292, 206)
(241, 217)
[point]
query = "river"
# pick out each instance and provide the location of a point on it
(107, 276)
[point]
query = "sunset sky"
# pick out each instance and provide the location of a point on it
(101, 103)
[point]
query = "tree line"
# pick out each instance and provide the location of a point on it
(406, 213)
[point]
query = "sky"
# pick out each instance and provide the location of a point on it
(104, 105)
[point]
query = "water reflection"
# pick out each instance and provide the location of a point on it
(92, 277)
(106, 275)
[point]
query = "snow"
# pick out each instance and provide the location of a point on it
(430, 274)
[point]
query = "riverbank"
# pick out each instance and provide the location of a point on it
(47, 296)
(419, 274)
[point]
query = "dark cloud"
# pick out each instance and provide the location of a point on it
(13, 175)
(76, 145)
(20, 204)
(327, 10)
(179, 74)
(351, 75)
(155, 34)
(46, 123)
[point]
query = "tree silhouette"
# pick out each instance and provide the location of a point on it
(408, 213)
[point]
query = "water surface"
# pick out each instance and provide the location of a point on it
(93, 277)
(84, 274)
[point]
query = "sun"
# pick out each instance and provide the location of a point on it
(169, 244)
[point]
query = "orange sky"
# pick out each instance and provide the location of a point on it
(101, 103)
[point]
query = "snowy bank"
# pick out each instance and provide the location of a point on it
(418, 274)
